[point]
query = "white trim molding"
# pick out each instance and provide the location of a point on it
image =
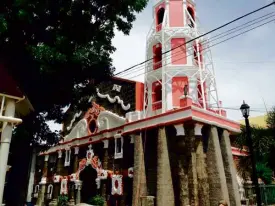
(113, 100)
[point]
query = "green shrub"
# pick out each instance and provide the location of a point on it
(97, 200)
(62, 200)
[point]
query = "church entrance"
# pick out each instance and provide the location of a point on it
(89, 187)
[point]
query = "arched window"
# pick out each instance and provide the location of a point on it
(160, 15)
(192, 15)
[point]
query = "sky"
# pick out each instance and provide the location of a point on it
(244, 66)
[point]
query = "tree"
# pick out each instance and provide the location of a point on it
(270, 120)
(263, 143)
(57, 50)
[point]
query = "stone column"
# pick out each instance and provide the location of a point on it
(56, 188)
(203, 186)
(78, 185)
(71, 192)
(230, 170)
(31, 176)
(165, 190)
(182, 165)
(42, 191)
(139, 181)
(105, 167)
(216, 175)
(191, 131)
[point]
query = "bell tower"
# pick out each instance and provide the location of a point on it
(181, 67)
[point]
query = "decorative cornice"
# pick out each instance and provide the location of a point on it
(113, 100)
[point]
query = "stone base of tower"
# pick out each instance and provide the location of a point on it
(194, 166)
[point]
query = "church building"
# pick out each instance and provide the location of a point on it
(163, 142)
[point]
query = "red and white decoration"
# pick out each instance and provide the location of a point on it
(49, 191)
(57, 178)
(73, 177)
(131, 172)
(89, 155)
(43, 181)
(97, 181)
(64, 186)
(103, 175)
(117, 188)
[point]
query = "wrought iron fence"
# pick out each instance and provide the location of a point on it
(267, 194)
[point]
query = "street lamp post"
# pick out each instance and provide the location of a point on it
(245, 112)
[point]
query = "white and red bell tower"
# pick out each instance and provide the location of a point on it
(179, 64)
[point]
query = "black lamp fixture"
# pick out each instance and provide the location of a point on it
(185, 90)
(245, 109)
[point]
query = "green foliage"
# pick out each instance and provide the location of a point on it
(54, 49)
(271, 118)
(263, 144)
(264, 172)
(261, 138)
(63, 200)
(97, 200)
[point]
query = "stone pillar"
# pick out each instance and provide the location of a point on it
(71, 191)
(191, 130)
(56, 188)
(31, 177)
(105, 167)
(78, 185)
(139, 181)
(203, 186)
(182, 165)
(183, 181)
(165, 190)
(230, 170)
(41, 195)
(216, 175)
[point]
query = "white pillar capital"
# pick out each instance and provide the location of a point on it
(59, 154)
(198, 128)
(132, 139)
(46, 159)
(180, 129)
(106, 144)
(76, 150)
